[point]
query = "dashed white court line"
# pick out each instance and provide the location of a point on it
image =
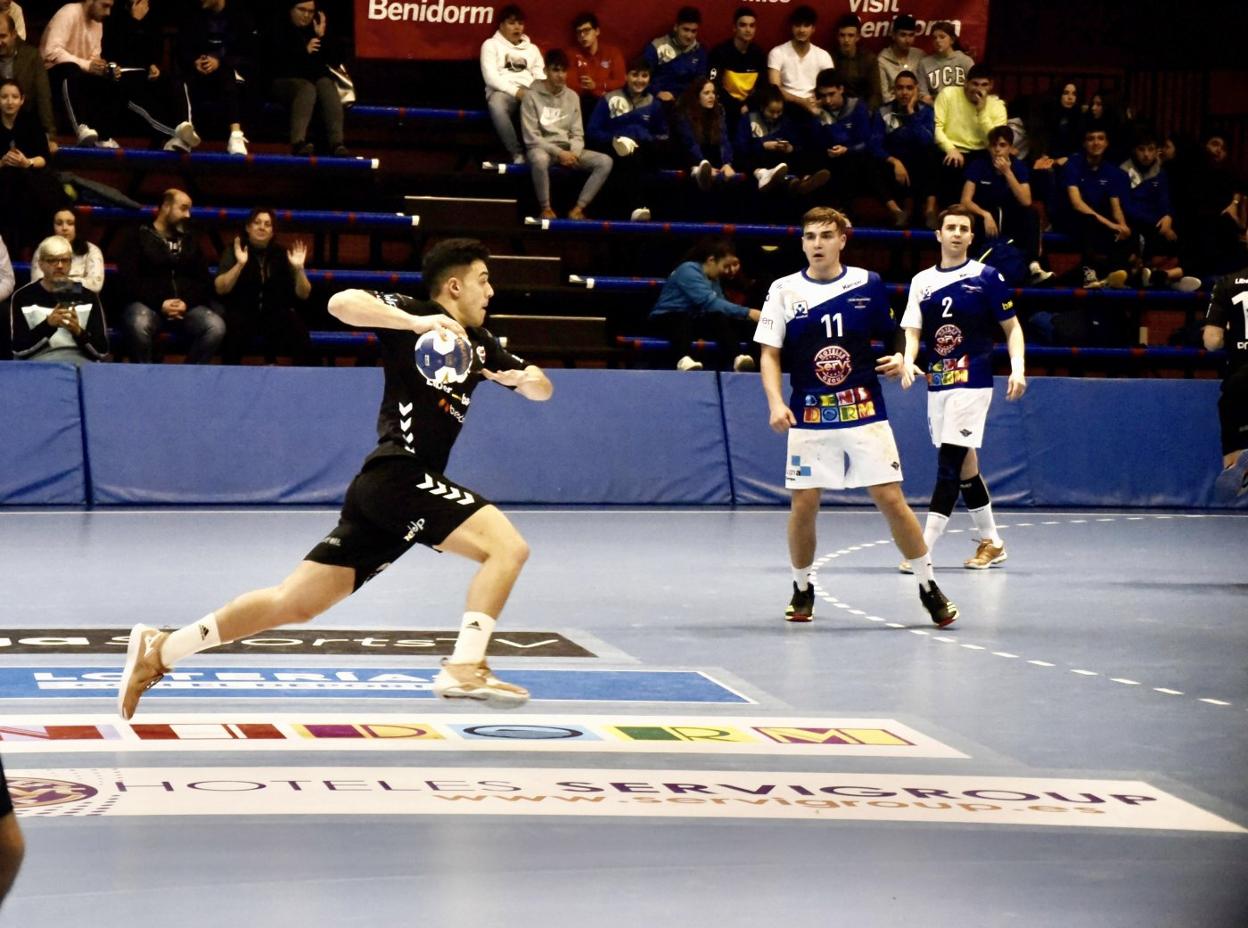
(1008, 655)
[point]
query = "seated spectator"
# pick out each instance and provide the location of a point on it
(260, 282)
(769, 139)
(299, 63)
(794, 66)
(840, 136)
(692, 306)
(735, 65)
(550, 121)
(900, 55)
(903, 142)
(946, 66)
(856, 63)
(15, 14)
(510, 63)
(701, 134)
(1214, 220)
(1059, 132)
(81, 75)
(21, 62)
(964, 117)
(27, 186)
(1095, 189)
(1104, 110)
(54, 318)
(1149, 214)
(997, 193)
(595, 68)
(170, 286)
(677, 60)
(87, 262)
(216, 55)
(628, 124)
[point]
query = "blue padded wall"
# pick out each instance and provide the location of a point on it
(41, 454)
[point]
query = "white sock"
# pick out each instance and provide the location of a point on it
(933, 529)
(801, 576)
(986, 525)
(190, 639)
(923, 567)
(474, 637)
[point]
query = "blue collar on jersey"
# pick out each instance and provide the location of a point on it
(844, 271)
(950, 270)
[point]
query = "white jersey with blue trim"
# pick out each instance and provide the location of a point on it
(959, 311)
(824, 330)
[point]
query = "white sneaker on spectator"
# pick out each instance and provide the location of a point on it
(1186, 284)
(704, 175)
(1089, 277)
(186, 134)
(107, 143)
(688, 364)
(87, 137)
(769, 177)
(518, 158)
(640, 214)
(743, 363)
(237, 145)
(1038, 274)
(177, 145)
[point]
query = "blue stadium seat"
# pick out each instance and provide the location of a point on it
(143, 158)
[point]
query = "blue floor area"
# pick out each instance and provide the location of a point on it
(1071, 751)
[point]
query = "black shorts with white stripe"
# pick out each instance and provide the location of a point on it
(391, 505)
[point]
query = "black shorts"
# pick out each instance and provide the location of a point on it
(1233, 411)
(6, 801)
(391, 505)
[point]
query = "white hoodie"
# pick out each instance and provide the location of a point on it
(508, 67)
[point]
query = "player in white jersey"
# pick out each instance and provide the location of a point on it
(956, 307)
(818, 325)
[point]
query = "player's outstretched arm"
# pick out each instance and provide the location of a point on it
(363, 310)
(1016, 386)
(531, 383)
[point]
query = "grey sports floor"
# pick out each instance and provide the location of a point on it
(1109, 650)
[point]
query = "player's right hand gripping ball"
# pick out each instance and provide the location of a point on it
(443, 358)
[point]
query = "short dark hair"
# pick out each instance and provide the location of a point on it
(1095, 125)
(711, 246)
(743, 11)
(583, 18)
(943, 25)
(448, 256)
(905, 21)
(1145, 136)
(557, 58)
(511, 11)
(13, 81)
(803, 16)
(688, 14)
(849, 20)
(956, 210)
(906, 72)
(829, 77)
(639, 65)
(1000, 132)
(979, 72)
(827, 216)
(261, 211)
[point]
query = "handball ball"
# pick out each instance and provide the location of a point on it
(443, 358)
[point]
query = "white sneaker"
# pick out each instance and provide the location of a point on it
(87, 137)
(476, 682)
(1038, 274)
(1186, 284)
(688, 364)
(906, 567)
(743, 364)
(107, 143)
(237, 145)
(186, 134)
(518, 159)
(640, 214)
(704, 175)
(177, 145)
(767, 177)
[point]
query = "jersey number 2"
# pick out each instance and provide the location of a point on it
(827, 325)
(947, 303)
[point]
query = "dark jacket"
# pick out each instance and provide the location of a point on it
(266, 283)
(28, 70)
(287, 53)
(133, 43)
(157, 269)
(229, 36)
(29, 342)
(697, 148)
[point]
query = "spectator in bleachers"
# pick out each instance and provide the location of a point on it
(87, 263)
(216, 55)
(93, 88)
(170, 286)
(1054, 127)
(1104, 110)
(510, 63)
(769, 140)
(856, 63)
(629, 125)
(701, 132)
(997, 192)
(736, 63)
(1214, 242)
(27, 186)
(299, 60)
(794, 65)
(1095, 189)
(900, 55)
(550, 121)
(262, 284)
(595, 68)
(20, 61)
(15, 13)
(839, 139)
(964, 117)
(691, 305)
(55, 318)
(677, 60)
(946, 66)
(1148, 210)
(903, 142)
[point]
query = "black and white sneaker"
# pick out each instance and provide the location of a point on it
(801, 607)
(938, 606)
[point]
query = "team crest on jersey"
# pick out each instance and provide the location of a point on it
(801, 309)
(948, 337)
(832, 365)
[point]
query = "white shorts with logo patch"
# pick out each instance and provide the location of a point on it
(842, 459)
(957, 417)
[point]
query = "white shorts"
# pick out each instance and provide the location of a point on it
(957, 417)
(841, 459)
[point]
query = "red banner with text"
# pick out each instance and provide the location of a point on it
(449, 29)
